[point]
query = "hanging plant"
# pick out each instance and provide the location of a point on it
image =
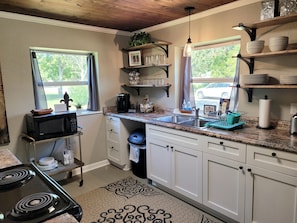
(139, 39)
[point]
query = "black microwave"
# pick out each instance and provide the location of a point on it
(52, 125)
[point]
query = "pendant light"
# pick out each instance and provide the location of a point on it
(188, 46)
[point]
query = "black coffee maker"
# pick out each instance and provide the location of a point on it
(123, 102)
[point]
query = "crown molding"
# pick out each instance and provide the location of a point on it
(219, 9)
(53, 22)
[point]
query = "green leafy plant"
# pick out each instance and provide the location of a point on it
(78, 105)
(139, 39)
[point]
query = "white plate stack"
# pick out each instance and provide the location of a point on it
(288, 79)
(254, 79)
(47, 163)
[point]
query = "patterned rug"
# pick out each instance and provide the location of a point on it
(130, 201)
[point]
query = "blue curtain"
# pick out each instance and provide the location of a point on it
(39, 94)
(93, 104)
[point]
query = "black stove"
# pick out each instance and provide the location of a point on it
(28, 195)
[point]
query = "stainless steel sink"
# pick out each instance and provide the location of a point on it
(176, 119)
(197, 123)
(184, 120)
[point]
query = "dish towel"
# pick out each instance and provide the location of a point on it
(134, 153)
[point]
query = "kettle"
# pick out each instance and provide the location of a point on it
(293, 128)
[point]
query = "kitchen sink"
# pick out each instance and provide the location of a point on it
(200, 122)
(184, 120)
(176, 119)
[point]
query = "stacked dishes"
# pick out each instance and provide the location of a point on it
(278, 43)
(255, 46)
(47, 163)
(254, 79)
(288, 79)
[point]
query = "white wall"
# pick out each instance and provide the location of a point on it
(15, 40)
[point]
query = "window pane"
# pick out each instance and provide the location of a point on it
(213, 71)
(64, 72)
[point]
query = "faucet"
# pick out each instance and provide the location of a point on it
(196, 112)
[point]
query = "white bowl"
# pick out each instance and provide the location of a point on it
(278, 43)
(255, 46)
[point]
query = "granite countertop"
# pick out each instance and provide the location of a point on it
(276, 138)
(7, 159)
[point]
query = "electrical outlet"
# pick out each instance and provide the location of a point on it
(293, 108)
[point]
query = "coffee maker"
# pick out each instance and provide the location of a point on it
(123, 102)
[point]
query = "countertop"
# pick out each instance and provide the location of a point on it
(277, 138)
(7, 159)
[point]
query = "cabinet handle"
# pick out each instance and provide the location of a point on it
(110, 130)
(273, 154)
(241, 167)
(249, 170)
(221, 143)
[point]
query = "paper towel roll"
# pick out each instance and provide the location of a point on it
(264, 113)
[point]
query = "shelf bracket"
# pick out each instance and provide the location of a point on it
(250, 63)
(165, 69)
(165, 49)
(249, 92)
(167, 90)
(249, 30)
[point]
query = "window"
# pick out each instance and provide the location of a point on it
(63, 72)
(213, 72)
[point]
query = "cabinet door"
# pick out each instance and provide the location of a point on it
(224, 186)
(158, 161)
(187, 172)
(271, 197)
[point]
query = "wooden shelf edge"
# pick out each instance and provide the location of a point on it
(147, 45)
(147, 66)
(274, 21)
(146, 86)
(270, 54)
(280, 86)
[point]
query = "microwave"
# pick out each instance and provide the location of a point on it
(52, 125)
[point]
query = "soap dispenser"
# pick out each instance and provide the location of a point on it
(293, 128)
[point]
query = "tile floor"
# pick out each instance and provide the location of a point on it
(94, 179)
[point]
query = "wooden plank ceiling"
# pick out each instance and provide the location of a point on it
(126, 15)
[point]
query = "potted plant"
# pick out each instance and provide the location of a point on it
(139, 39)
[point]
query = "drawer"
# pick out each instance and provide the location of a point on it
(225, 148)
(271, 159)
(113, 123)
(176, 137)
(113, 135)
(113, 152)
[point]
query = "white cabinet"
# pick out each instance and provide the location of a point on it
(224, 177)
(117, 152)
(271, 186)
(174, 160)
(117, 133)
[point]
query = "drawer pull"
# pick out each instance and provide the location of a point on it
(241, 167)
(249, 170)
(221, 143)
(273, 154)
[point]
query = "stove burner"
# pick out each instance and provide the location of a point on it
(35, 205)
(15, 177)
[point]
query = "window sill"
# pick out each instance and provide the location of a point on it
(84, 112)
